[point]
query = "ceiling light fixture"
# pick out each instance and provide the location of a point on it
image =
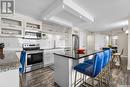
(63, 6)
(80, 16)
(126, 31)
(60, 21)
(78, 9)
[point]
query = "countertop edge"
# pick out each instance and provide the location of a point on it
(65, 56)
(75, 57)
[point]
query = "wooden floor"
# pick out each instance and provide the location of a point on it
(45, 77)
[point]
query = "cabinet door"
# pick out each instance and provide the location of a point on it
(11, 26)
(9, 78)
(48, 59)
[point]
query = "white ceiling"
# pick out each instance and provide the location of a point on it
(33, 8)
(108, 14)
(69, 17)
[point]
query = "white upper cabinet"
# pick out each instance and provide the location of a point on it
(16, 25)
(9, 22)
(33, 24)
(11, 26)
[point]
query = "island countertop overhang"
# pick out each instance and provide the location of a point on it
(77, 56)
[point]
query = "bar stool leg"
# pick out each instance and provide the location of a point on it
(83, 78)
(100, 81)
(120, 62)
(113, 58)
(93, 82)
(75, 79)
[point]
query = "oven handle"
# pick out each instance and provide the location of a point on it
(34, 53)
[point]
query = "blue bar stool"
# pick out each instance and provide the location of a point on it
(22, 62)
(22, 66)
(91, 70)
(90, 61)
(106, 58)
(106, 66)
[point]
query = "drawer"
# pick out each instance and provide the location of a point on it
(48, 55)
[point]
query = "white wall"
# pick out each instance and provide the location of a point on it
(90, 42)
(100, 41)
(10, 43)
(13, 43)
(95, 41)
(120, 40)
(123, 43)
(83, 39)
(129, 46)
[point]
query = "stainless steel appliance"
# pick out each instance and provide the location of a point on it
(75, 43)
(32, 34)
(75, 47)
(34, 58)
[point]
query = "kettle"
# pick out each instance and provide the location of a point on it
(81, 51)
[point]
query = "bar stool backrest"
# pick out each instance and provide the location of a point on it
(106, 57)
(98, 63)
(110, 50)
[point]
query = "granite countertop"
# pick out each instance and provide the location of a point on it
(73, 55)
(10, 61)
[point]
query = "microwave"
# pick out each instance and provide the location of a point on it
(32, 35)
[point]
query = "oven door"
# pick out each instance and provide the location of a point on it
(34, 58)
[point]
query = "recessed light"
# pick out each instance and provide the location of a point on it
(63, 6)
(45, 18)
(80, 16)
(71, 4)
(126, 31)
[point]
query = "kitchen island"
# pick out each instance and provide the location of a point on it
(9, 69)
(63, 66)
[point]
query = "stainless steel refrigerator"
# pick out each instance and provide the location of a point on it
(75, 44)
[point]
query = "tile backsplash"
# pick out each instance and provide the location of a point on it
(10, 43)
(15, 43)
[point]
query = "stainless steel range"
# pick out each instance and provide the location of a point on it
(34, 58)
